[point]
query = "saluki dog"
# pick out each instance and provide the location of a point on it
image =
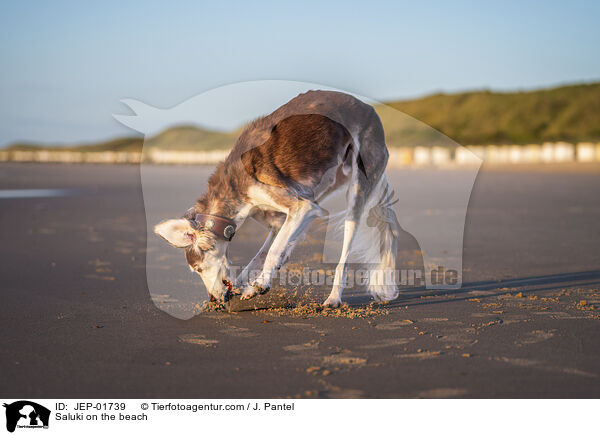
(280, 169)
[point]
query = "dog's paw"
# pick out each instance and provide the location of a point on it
(263, 290)
(248, 292)
(332, 302)
(252, 290)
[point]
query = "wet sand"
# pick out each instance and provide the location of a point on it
(78, 318)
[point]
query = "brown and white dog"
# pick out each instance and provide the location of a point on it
(280, 169)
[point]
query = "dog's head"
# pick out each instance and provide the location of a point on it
(205, 252)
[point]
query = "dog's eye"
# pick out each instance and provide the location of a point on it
(197, 269)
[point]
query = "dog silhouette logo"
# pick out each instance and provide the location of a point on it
(26, 414)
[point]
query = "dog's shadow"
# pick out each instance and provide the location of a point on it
(415, 296)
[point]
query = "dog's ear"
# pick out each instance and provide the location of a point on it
(178, 232)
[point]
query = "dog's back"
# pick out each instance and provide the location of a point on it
(299, 142)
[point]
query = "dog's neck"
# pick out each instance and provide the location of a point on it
(237, 211)
(224, 196)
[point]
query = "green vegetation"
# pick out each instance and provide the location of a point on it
(192, 138)
(567, 113)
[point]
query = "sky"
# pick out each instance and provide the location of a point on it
(67, 65)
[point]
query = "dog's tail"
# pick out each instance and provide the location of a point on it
(377, 240)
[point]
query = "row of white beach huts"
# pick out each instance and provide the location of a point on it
(559, 152)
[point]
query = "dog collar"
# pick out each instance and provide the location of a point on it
(222, 227)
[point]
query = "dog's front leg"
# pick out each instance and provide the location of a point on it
(297, 221)
(257, 262)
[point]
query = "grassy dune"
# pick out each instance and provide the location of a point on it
(182, 138)
(569, 113)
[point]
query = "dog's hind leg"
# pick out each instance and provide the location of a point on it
(355, 198)
(382, 225)
(335, 297)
